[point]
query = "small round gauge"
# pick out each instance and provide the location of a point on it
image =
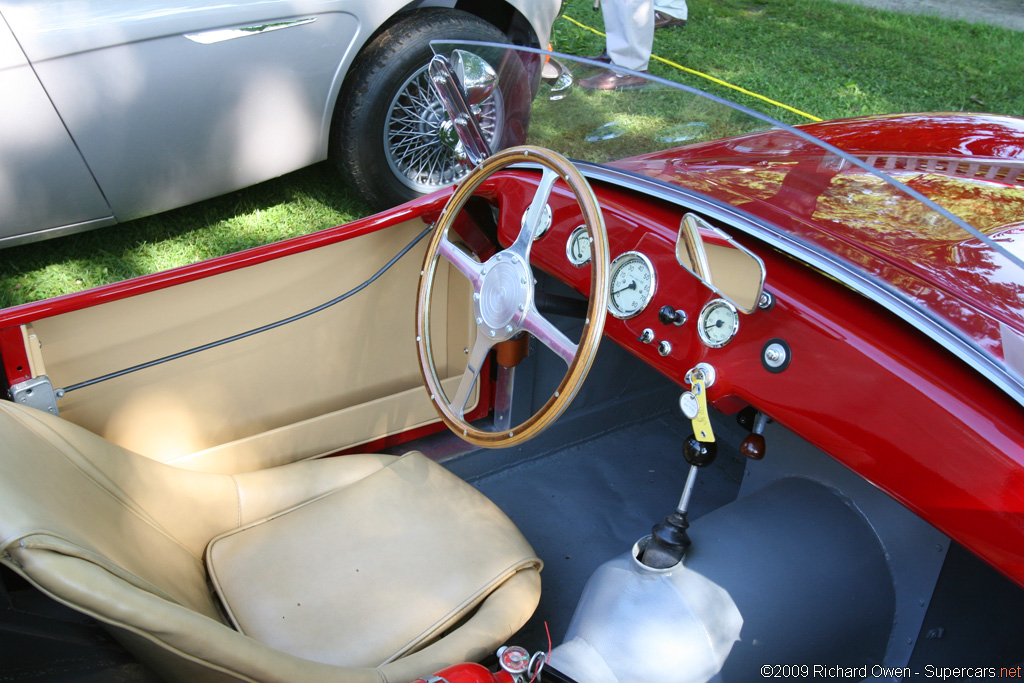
(718, 323)
(515, 659)
(545, 221)
(577, 249)
(632, 284)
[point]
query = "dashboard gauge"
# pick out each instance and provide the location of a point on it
(577, 249)
(718, 323)
(545, 221)
(632, 284)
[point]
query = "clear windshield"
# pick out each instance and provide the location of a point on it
(938, 240)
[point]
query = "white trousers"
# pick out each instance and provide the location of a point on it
(629, 25)
(677, 9)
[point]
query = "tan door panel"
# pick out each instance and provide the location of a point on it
(344, 376)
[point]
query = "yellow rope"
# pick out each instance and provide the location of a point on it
(710, 78)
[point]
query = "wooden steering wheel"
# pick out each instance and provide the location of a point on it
(503, 301)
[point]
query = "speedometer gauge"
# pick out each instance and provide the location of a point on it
(718, 323)
(632, 284)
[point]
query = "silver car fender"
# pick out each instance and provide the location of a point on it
(44, 183)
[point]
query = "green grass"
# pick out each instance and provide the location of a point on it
(302, 202)
(827, 59)
(831, 60)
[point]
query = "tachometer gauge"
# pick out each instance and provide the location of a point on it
(543, 225)
(632, 284)
(577, 249)
(718, 323)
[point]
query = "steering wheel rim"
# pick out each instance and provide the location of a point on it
(503, 298)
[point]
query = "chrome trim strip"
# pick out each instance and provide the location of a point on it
(222, 34)
(875, 290)
(60, 231)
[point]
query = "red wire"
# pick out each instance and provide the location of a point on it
(547, 656)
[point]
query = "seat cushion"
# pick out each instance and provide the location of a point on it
(371, 572)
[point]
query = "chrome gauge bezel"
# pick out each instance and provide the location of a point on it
(580, 233)
(733, 324)
(613, 271)
(543, 226)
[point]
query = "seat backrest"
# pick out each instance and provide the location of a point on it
(122, 537)
(66, 491)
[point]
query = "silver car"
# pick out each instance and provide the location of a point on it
(119, 109)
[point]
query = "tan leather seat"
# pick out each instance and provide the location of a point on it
(357, 568)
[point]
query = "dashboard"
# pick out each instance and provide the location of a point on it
(657, 310)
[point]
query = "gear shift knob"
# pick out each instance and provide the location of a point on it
(699, 453)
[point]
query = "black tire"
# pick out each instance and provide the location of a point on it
(365, 137)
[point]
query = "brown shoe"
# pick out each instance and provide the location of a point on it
(603, 57)
(609, 80)
(663, 20)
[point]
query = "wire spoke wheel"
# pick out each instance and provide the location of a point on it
(387, 130)
(412, 143)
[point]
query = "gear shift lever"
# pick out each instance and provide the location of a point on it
(669, 540)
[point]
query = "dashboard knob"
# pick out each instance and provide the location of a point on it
(753, 446)
(671, 316)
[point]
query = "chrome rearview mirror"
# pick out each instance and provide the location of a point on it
(725, 267)
(477, 78)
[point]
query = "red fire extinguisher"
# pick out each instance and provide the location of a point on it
(467, 673)
(516, 667)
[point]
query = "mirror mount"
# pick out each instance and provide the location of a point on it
(689, 238)
(458, 102)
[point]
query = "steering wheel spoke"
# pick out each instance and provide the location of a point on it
(549, 335)
(533, 215)
(477, 357)
(472, 270)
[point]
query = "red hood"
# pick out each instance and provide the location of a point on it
(973, 165)
(950, 134)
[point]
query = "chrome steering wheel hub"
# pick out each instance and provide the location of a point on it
(506, 292)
